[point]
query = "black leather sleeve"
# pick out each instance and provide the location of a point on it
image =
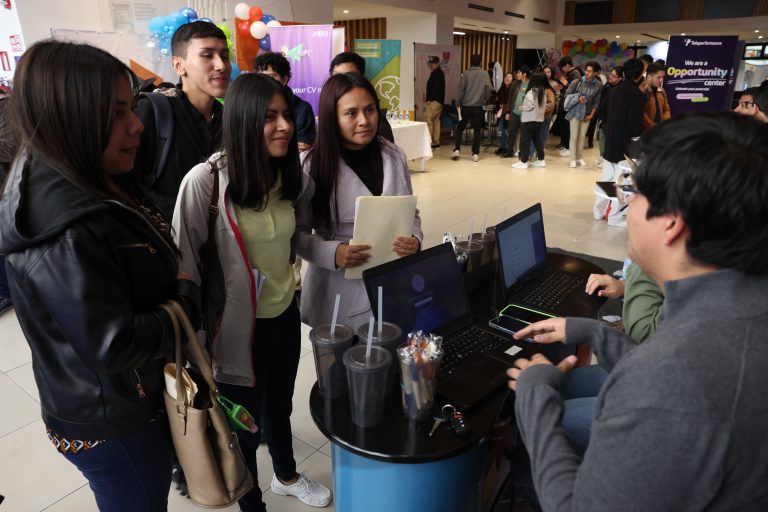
(85, 295)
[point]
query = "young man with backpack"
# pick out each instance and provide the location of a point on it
(182, 126)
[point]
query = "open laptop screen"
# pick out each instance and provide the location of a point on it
(522, 247)
(421, 292)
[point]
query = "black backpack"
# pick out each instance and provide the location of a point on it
(161, 107)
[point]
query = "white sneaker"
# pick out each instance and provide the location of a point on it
(475, 157)
(581, 162)
(520, 165)
(565, 152)
(539, 163)
(455, 154)
(573, 164)
(308, 491)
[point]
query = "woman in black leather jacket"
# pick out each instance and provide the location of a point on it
(89, 260)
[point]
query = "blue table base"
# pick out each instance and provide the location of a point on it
(447, 485)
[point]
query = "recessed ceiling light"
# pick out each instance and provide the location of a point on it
(506, 31)
(459, 33)
(682, 34)
(759, 37)
(345, 11)
(618, 37)
(756, 31)
(637, 41)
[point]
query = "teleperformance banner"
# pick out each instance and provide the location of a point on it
(450, 63)
(382, 68)
(308, 49)
(701, 73)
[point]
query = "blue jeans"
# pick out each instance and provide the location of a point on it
(502, 132)
(580, 394)
(543, 133)
(131, 473)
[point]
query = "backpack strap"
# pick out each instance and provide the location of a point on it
(163, 132)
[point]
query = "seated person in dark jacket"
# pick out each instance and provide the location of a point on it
(277, 66)
(351, 62)
(201, 59)
(90, 260)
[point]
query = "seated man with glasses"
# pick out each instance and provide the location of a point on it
(680, 422)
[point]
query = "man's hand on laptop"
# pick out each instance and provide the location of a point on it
(522, 364)
(605, 285)
(550, 330)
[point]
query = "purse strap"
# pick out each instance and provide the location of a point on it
(198, 357)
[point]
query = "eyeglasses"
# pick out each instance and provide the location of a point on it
(625, 187)
(746, 104)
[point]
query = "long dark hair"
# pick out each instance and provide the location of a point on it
(539, 85)
(62, 108)
(324, 156)
(251, 170)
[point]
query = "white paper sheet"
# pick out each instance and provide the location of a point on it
(378, 221)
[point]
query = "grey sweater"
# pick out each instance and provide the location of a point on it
(474, 88)
(681, 424)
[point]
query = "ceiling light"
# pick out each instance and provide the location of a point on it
(682, 34)
(506, 31)
(459, 33)
(345, 11)
(617, 37)
(637, 41)
(756, 31)
(759, 37)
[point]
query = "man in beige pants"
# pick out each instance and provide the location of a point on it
(434, 100)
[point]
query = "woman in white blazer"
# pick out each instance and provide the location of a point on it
(348, 160)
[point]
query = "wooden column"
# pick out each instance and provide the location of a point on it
(761, 8)
(569, 17)
(624, 11)
(690, 10)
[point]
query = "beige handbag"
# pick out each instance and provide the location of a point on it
(206, 446)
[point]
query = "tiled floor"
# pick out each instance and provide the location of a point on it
(452, 197)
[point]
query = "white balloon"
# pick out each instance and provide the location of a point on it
(274, 23)
(258, 29)
(242, 11)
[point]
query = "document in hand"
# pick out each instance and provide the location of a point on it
(378, 221)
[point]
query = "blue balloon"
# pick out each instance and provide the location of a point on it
(188, 13)
(207, 20)
(165, 46)
(157, 25)
(173, 21)
(235, 72)
(267, 18)
(264, 43)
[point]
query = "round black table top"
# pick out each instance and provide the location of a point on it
(397, 439)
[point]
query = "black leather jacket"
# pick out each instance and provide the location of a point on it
(86, 275)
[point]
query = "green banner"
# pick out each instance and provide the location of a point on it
(382, 68)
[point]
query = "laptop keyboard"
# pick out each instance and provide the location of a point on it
(551, 292)
(463, 345)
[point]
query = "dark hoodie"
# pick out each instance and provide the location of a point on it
(86, 274)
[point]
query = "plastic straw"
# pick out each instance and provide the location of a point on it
(485, 223)
(381, 306)
(370, 341)
(335, 314)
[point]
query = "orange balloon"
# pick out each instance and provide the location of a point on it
(243, 27)
(255, 13)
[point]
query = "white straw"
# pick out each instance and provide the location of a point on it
(335, 315)
(485, 223)
(381, 306)
(370, 341)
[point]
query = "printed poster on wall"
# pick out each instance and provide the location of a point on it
(308, 49)
(701, 73)
(382, 68)
(450, 63)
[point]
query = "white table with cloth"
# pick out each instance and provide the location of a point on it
(413, 137)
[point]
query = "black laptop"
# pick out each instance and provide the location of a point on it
(528, 280)
(425, 292)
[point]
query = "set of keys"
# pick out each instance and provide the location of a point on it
(455, 418)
